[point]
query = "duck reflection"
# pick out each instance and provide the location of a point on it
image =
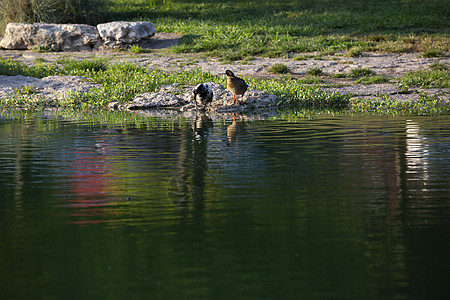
(236, 128)
(193, 164)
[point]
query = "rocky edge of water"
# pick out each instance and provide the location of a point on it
(178, 97)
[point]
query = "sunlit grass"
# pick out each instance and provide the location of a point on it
(123, 81)
(426, 105)
(10, 68)
(437, 78)
(279, 69)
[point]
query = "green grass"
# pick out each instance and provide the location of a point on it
(433, 53)
(279, 69)
(355, 52)
(426, 105)
(238, 29)
(71, 66)
(123, 81)
(235, 29)
(10, 68)
(361, 72)
(138, 49)
(437, 78)
(315, 71)
(26, 90)
(438, 66)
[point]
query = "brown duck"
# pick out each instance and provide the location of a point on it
(236, 85)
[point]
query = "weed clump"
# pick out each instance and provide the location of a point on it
(279, 69)
(360, 72)
(10, 68)
(432, 53)
(426, 79)
(73, 67)
(315, 71)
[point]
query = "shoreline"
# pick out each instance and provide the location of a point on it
(157, 56)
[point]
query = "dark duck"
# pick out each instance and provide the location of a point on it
(236, 85)
(202, 94)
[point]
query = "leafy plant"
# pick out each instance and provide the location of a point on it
(138, 49)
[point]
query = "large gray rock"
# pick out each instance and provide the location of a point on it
(120, 33)
(176, 96)
(59, 37)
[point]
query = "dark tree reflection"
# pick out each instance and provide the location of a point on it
(192, 163)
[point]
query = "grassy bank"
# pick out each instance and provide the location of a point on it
(236, 29)
(123, 81)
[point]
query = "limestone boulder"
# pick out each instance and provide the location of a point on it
(58, 37)
(153, 100)
(116, 34)
(176, 96)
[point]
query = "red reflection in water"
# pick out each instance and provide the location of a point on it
(88, 186)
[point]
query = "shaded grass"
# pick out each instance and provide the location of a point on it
(235, 29)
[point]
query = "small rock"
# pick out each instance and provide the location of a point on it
(153, 100)
(116, 34)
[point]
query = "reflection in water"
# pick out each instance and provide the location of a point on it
(236, 128)
(189, 183)
(329, 208)
(416, 151)
(88, 185)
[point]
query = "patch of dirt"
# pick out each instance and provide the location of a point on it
(162, 40)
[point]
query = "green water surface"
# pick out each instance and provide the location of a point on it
(327, 207)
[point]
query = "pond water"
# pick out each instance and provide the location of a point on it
(326, 207)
